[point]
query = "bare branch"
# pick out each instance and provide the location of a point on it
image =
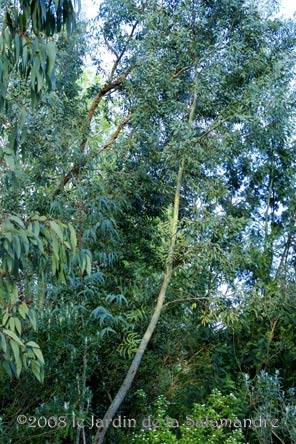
(119, 56)
(128, 380)
(110, 86)
(114, 136)
(74, 171)
(111, 49)
(178, 73)
(175, 301)
(284, 255)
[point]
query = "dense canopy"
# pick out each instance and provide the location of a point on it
(147, 232)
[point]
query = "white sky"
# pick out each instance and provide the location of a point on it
(288, 7)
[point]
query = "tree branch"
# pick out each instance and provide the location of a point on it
(175, 301)
(178, 73)
(74, 171)
(114, 136)
(284, 255)
(110, 86)
(119, 56)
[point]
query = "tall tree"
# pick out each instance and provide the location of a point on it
(207, 91)
(170, 174)
(30, 243)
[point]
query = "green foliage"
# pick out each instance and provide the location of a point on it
(157, 426)
(270, 400)
(218, 407)
(38, 246)
(18, 355)
(202, 425)
(24, 46)
(36, 250)
(86, 204)
(37, 243)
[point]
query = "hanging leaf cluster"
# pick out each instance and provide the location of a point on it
(36, 246)
(24, 44)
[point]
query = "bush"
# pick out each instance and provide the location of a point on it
(271, 401)
(202, 426)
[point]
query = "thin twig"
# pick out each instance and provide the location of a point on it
(178, 73)
(119, 57)
(114, 136)
(209, 298)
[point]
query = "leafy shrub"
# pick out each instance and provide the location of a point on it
(202, 426)
(272, 402)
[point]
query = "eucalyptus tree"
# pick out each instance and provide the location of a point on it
(51, 249)
(173, 164)
(30, 242)
(204, 108)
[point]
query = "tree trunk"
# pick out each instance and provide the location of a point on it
(128, 380)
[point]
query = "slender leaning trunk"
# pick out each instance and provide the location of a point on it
(130, 376)
(128, 380)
